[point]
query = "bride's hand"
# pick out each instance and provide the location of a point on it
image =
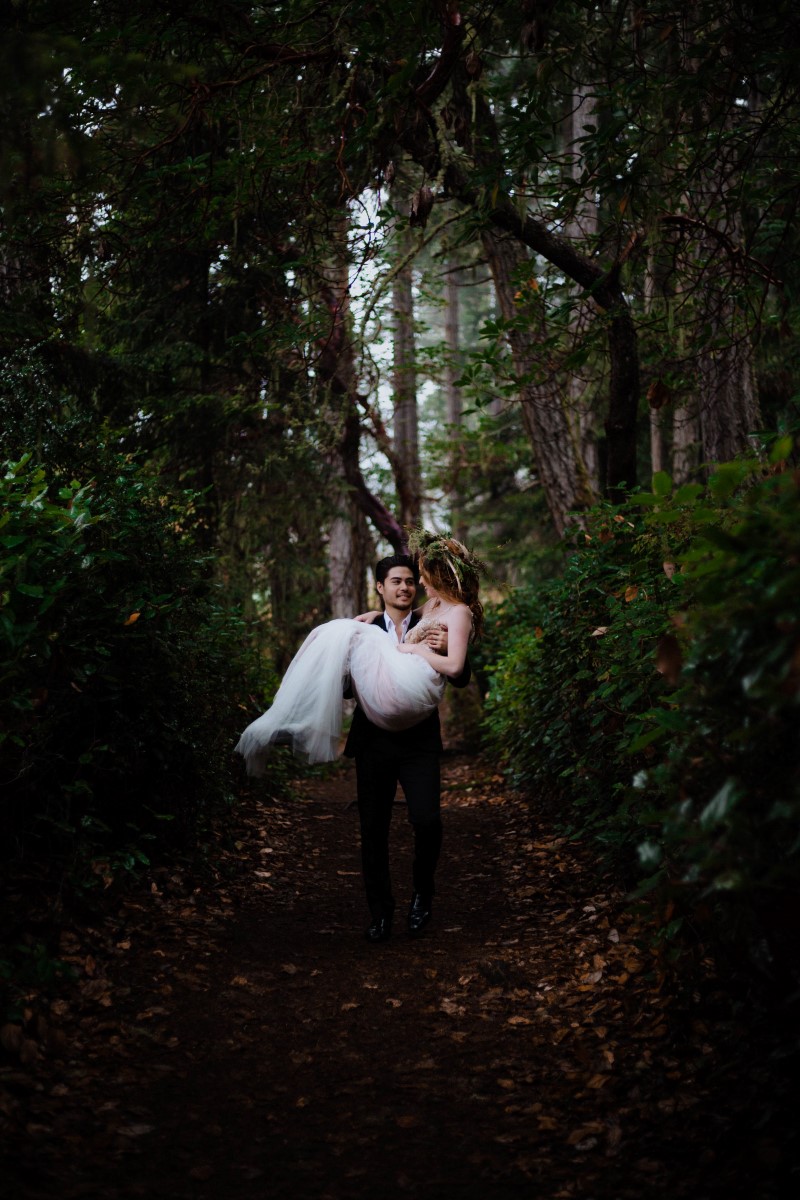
(437, 640)
(368, 616)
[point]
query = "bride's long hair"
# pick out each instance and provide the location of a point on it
(454, 571)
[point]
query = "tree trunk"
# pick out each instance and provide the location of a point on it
(728, 408)
(348, 542)
(589, 449)
(404, 384)
(580, 227)
(347, 539)
(658, 443)
(729, 412)
(728, 405)
(453, 399)
(653, 287)
(560, 470)
(685, 442)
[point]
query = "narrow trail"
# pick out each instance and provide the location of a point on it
(245, 1041)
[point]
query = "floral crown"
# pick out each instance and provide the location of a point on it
(441, 548)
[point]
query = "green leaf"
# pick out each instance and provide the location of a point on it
(667, 516)
(671, 719)
(782, 449)
(643, 740)
(662, 483)
(721, 804)
(726, 479)
(687, 493)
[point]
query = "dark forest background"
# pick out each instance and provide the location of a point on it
(279, 281)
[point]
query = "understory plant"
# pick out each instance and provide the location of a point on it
(125, 677)
(653, 690)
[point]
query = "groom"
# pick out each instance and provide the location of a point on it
(409, 757)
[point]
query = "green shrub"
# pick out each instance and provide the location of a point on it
(652, 690)
(723, 788)
(125, 680)
(575, 665)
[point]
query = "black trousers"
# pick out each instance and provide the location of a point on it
(379, 769)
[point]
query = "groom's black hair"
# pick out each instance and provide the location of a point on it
(383, 568)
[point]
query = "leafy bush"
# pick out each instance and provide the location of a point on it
(653, 691)
(124, 677)
(723, 789)
(575, 664)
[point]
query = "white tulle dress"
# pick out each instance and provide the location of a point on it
(395, 691)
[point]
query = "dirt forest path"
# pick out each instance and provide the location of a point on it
(245, 1041)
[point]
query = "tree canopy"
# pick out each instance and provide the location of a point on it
(183, 186)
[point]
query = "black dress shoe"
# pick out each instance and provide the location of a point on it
(419, 914)
(380, 930)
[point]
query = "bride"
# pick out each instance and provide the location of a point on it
(397, 684)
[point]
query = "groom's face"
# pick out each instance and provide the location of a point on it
(398, 588)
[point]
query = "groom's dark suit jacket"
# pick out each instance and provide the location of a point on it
(422, 738)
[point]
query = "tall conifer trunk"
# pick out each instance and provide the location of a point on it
(685, 441)
(347, 537)
(580, 228)
(557, 460)
(453, 399)
(727, 398)
(653, 288)
(404, 382)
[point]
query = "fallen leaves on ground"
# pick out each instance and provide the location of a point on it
(238, 1017)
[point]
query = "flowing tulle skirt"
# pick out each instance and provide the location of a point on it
(395, 691)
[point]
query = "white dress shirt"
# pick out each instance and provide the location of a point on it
(390, 627)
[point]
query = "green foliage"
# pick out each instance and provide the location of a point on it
(652, 690)
(127, 671)
(575, 664)
(722, 789)
(124, 676)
